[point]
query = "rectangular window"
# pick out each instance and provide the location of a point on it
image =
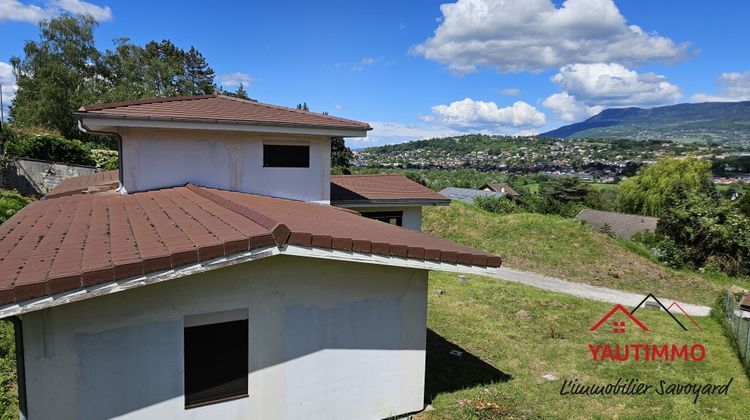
(286, 156)
(215, 362)
(392, 217)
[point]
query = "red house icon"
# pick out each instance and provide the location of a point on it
(619, 326)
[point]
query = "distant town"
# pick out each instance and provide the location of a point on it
(606, 161)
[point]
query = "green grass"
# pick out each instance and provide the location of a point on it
(10, 203)
(507, 355)
(564, 248)
(603, 187)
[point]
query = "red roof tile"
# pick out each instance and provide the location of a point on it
(217, 108)
(79, 184)
(500, 187)
(75, 241)
(351, 189)
(745, 303)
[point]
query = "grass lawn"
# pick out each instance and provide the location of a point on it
(507, 353)
(599, 186)
(564, 248)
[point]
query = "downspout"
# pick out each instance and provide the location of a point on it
(118, 138)
(20, 366)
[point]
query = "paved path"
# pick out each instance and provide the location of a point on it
(602, 294)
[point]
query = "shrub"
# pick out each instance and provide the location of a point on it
(8, 387)
(49, 147)
(105, 158)
(10, 203)
(501, 205)
(709, 231)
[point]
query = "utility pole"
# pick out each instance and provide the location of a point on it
(2, 110)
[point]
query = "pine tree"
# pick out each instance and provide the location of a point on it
(199, 75)
(241, 92)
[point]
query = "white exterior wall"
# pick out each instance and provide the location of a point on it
(412, 215)
(158, 158)
(327, 340)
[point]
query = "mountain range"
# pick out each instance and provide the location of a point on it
(715, 122)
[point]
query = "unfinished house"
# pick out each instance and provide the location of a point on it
(212, 278)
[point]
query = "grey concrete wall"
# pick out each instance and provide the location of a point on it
(327, 340)
(38, 177)
(156, 158)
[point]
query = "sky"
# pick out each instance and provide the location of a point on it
(421, 69)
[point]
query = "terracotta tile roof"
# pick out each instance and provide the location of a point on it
(622, 224)
(395, 188)
(98, 181)
(500, 187)
(75, 241)
(217, 108)
(745, 303)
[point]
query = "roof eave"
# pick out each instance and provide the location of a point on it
(114, 120)
(394, 202)
(35, 304)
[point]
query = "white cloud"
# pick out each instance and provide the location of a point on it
(511, 92)
(9, 85)
(391, 132)
(367, 61)
(14, 10)
(587, 89)
(468, 114)
(533, 35)
(234, 79)
(734, 87)
(568, 108)
(100, 13)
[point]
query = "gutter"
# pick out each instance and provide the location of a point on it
(391, 203)
(118, 138)
(20, 366)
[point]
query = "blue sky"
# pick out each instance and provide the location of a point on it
(416, 69)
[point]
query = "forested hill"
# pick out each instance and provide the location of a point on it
(717, 122)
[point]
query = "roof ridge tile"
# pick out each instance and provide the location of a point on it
(280, 231)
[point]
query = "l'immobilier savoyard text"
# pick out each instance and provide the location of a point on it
(646, 353)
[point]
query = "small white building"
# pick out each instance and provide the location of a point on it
(217, 281)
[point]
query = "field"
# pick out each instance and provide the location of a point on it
(561, 247)
(513, 334)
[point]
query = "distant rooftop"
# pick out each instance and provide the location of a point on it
(467, 195)
(381, 189)
(500, 187)
(622, 224)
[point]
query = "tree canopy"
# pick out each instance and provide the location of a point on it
(647, 191)
(64, 70)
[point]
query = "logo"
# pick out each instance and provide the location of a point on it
(622, 320)
(619, 326)
(619, 322)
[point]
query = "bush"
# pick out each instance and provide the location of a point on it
(8, 385)
(710, 232)
(105, 159)
(502, 205)
(49, 147)
(701, 232)
(10, 203)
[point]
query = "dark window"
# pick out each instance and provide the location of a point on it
(392, 217)
(284, 156)
(215, 363)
